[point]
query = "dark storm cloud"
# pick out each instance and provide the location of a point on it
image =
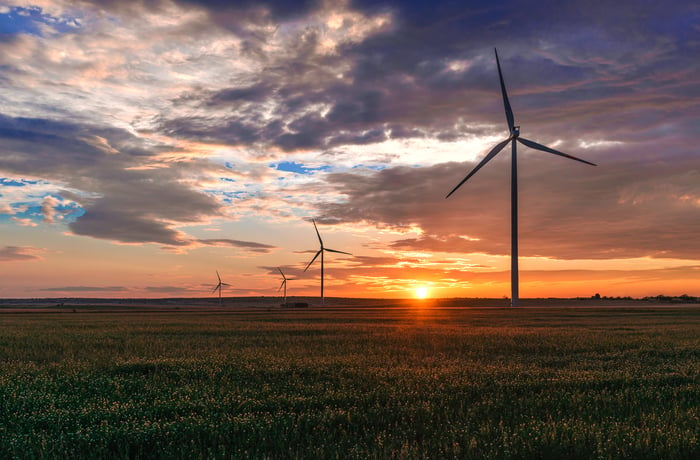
(359, 138)
(245, 19)
(253, 93)
(300, 80)
(128, 205)
(276, 9)
(126, 227)
(564, 54)
(451, 26)
(574, 70)
(356, 117)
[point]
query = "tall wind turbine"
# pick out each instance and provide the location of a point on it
(514, 136)
(320, 252)
(219, 286)
(284, 284)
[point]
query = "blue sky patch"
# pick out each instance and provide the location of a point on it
(297, 168)
(6, 182)
(21, 20)
(71, 212)
(32, 211)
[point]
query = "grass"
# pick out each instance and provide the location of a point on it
(352, 383)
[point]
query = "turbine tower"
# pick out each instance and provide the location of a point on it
(320, 252)
(284, 284)
(514, 136)
(219, 286)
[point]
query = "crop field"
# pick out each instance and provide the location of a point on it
(410, 381)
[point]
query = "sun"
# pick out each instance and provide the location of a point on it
(421, 292)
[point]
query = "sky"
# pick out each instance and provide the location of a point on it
(146, 144)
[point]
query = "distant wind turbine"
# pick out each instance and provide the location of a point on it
(320, 252)
(283, 285)
(514, 136)
(219, 286)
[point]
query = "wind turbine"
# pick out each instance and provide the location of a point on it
(320, 252)
(514, 136)
(284, 284)
(219, 286)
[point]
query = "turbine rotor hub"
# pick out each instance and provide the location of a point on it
(515, 131)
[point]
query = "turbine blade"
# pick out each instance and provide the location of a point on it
(494, 151)
(217, 287)
(536, 146)
(280, 270)
(217, 275)
(318, 234)
(312, 260)
(339, 252)
(281, 285)
(225, 284)
(506, 103)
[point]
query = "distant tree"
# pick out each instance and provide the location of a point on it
(596, 296)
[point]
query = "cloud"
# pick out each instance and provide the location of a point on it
(18, 254)
(172, 290)
(567, 210)
(86, 289)
(24, 221)
(430, 73)
(248, 245)
(120, 203)
(48, 209)
(126, 227)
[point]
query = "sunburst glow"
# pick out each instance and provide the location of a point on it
(422, 292)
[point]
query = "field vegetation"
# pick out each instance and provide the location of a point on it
(408, 382)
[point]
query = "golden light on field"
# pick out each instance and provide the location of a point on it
(421, 292)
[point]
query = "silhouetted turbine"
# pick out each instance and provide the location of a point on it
(514, 136)
(320, 252)
(284, 284)
(219, 286)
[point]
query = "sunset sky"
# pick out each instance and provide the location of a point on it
(144, 145)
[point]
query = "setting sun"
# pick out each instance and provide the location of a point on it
(421, 292)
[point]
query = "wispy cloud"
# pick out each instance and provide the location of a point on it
(19, 254)
(247, 245)
(80, 289)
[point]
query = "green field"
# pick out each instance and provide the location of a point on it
(408, 382)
